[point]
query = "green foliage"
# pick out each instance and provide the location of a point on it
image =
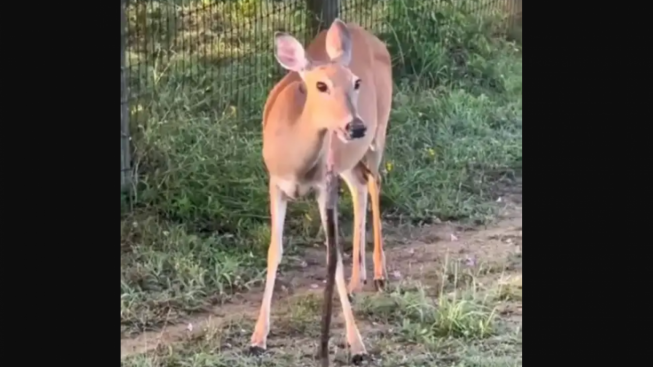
(442, 43)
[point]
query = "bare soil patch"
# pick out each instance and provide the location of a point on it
(413, 253)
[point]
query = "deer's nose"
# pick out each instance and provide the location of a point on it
(356, 129)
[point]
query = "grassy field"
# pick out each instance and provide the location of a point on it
(194, 234)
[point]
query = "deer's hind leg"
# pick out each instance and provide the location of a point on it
(373, 161)
(356, 180)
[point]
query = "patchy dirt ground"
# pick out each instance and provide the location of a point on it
(454, 298)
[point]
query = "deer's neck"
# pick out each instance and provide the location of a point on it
(295, 150)
(313, 141)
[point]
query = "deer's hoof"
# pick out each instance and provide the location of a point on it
(379, 284)
(255, 350)
(357, 359)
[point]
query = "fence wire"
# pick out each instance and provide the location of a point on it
(219, 52)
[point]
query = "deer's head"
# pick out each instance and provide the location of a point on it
(331, 88)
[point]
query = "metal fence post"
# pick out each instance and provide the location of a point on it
(321, 14)
(125, 154)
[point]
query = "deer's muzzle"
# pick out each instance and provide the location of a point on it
(355, 129)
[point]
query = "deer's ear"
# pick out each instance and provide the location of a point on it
(338, 42)
(289, 52)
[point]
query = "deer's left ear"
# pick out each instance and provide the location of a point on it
(338, 42)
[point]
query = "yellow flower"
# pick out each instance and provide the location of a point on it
(431, 152)
(137, 108)
(388, 166)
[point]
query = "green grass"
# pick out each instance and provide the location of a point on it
(195, 231)
(168, 272)
(414, 324)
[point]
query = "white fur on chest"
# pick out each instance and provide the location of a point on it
(294, 189)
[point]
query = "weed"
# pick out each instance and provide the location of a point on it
(420, 318)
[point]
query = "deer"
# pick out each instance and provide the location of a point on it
(337, 93)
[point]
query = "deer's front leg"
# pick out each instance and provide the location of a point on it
(357, 347)
(278, 205)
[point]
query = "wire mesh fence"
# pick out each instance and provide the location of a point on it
(217, 54)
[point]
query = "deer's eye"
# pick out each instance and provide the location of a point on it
(357, 84)
(321, 87)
